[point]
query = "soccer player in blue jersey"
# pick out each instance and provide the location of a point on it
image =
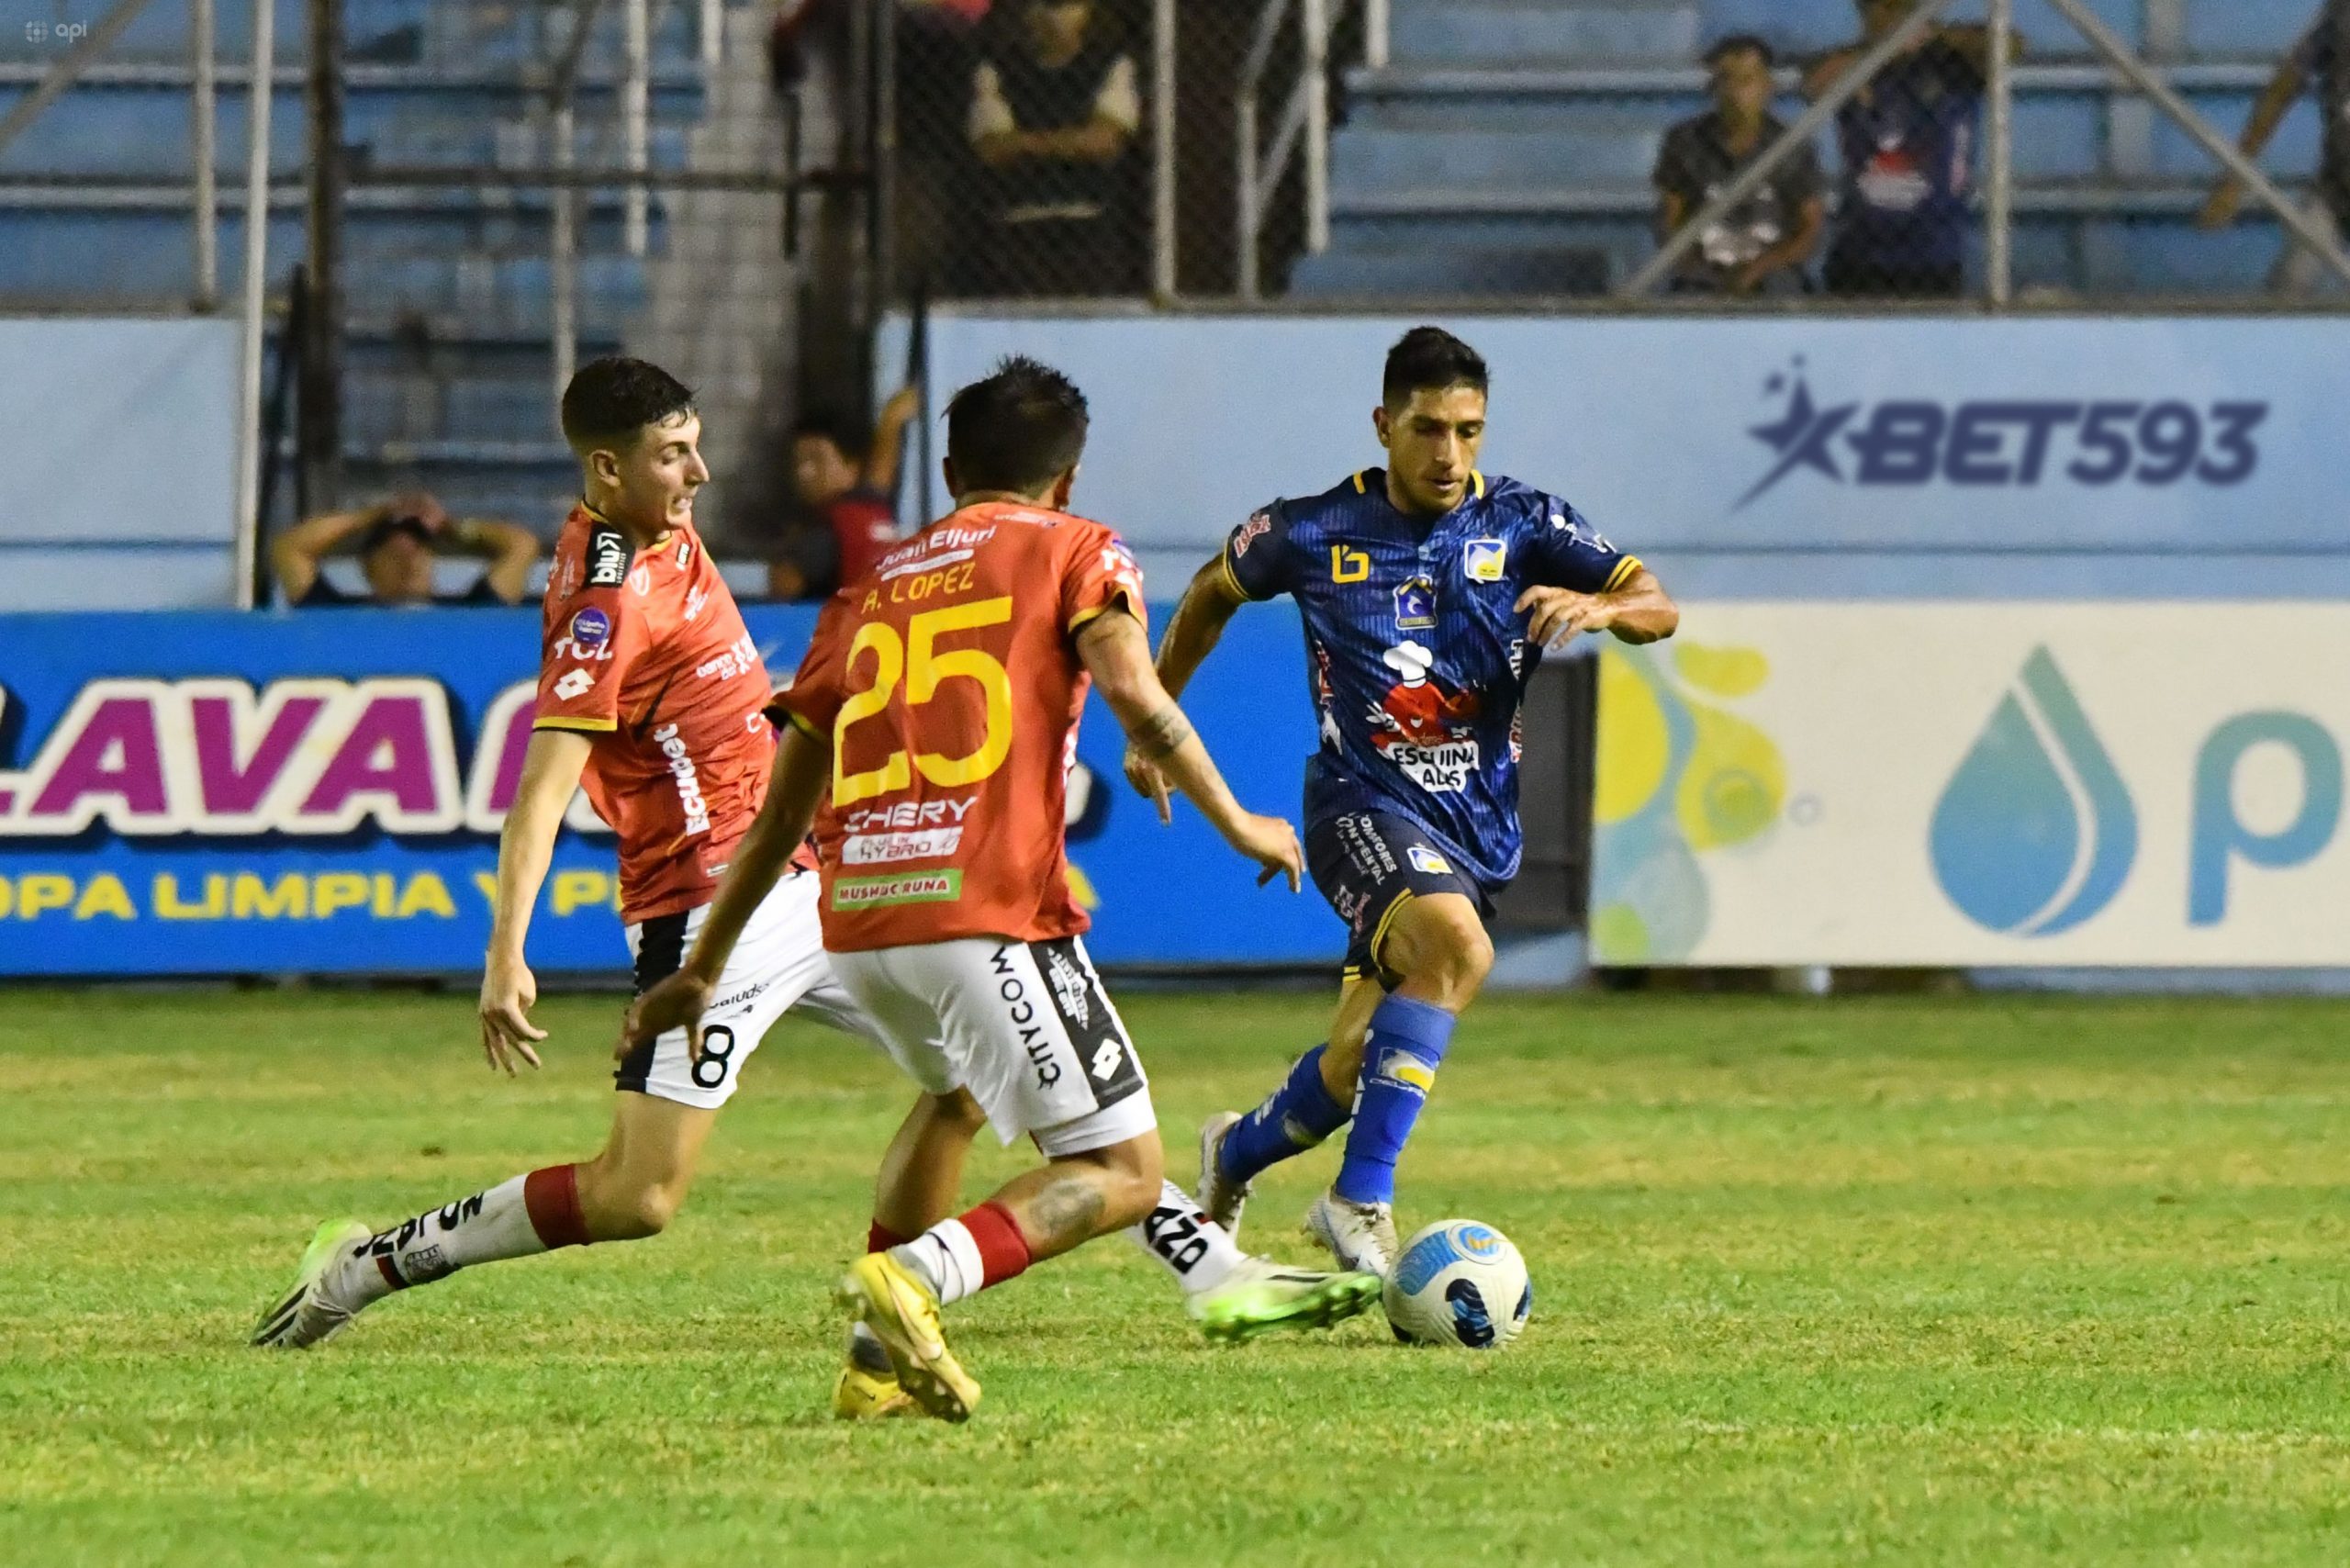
(1429, 592)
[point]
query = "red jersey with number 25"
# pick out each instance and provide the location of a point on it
(645, 652)
(949, 685)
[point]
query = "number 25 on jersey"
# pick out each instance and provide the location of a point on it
(918, 661)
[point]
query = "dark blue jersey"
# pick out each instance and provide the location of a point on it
(1416, 655)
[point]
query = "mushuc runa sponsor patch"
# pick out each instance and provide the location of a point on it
(911, 887)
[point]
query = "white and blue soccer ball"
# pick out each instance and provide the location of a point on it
(1459, 1282)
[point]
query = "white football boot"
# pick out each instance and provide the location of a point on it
(1361, 1236)
(304, 1317)
(1223, 1199)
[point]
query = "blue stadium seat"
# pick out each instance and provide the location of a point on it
(1506, 132)
(1799, 28)
(2246, 26)
(1533, 32)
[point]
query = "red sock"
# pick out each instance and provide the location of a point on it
(879, 1237)
(1003, 1252)
(551, 1197)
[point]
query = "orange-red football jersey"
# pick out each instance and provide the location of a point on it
(646, 653)
(949, 685)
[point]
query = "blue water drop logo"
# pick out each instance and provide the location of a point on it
(2034, 834)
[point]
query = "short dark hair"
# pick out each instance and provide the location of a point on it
(1018, 430)
(391, 528)
(854, 439)
(611, 400)
(1741, 43)
(1429, 359)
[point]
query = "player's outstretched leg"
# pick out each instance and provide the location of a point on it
(1316, 1100)
(1233, 1296)
(921, 1174)
(1438, 944)
(629, 1190)
(1046, 1212)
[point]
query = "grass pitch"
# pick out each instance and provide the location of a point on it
(1854, 1282)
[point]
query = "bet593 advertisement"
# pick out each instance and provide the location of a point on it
(1977, 785)
(321, 791)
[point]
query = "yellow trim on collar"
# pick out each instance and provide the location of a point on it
(1478, 480)
(1360, 490)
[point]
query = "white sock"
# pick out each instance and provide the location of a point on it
(946, 1259)
(1199, 1252)
(435, 1244)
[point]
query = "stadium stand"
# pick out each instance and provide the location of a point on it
(447, 287)
(1506, 149)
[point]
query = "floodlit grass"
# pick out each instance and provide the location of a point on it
(1817, 1283)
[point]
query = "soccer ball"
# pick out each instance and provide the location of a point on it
(1459, 1282)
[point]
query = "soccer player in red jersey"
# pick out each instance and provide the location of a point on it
(652, 695)
(933, 720)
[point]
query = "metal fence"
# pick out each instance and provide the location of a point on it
(483, 192)
(500, 190)
(1338, 151)
(1091, 149)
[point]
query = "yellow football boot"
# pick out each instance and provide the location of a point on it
(903, 1315)
(864, 1395)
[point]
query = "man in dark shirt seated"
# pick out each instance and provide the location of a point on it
(1056, 107)
(1761, 245)
(1909, 140)
(399, 541)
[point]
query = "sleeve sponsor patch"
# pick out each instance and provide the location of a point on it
(607, 556)
(590, 629)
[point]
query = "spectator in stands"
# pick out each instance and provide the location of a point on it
(1907, 139)
(845, 485)
(1762, 245)
(2322, 59)
(398, 542)
(1055, 111)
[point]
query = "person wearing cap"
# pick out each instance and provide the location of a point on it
(398, 542)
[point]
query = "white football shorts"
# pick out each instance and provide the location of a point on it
(1025, 1027)
(780, 966)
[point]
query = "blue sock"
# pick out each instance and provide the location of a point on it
(1407, 1040)
(1293, 1118)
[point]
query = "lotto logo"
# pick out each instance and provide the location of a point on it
(574, 684)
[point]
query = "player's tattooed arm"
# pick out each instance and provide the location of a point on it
(1117, 655)
(1640, 611)
(1191, 634)
(1160, 732)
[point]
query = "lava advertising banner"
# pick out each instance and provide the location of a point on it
(321, 792)
(1977, 785)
